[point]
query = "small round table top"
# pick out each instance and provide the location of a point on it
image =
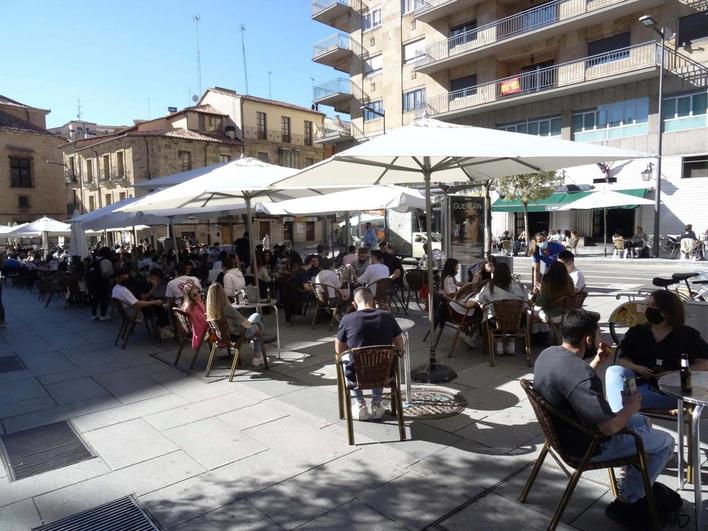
(671, 385)
(405, 324)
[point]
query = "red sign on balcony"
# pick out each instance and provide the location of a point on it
(510, 86)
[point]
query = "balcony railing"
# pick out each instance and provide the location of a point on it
(321, 5)
(338, 41)
(277, 136)
(572, 73)
(512, 26)
(342, 85)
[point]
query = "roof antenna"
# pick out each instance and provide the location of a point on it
(197, 19)
(270, 97)
(78, 108)
(243, 49)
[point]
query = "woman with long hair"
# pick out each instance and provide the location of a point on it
(501, 287)
(193, 305)
(555, 285)
(649, 349)
(450, 285)
(484, 273)
(218, 307)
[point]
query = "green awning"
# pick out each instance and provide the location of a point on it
(555, 201)
(552, 202)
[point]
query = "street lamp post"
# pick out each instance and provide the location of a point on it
(649, 22)
(382, 114)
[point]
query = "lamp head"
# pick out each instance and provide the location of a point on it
(648, 21)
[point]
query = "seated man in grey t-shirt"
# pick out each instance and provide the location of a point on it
(571, 385)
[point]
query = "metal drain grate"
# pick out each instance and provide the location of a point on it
(11, 363)
(30, 452)
(119, 515)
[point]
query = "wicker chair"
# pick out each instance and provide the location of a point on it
(332, 305)
(461, 323)
(547, 415)
(185, 333)
(564, 304)
(374, 366)
(221, 338)
(505, 247)
(382, 298)
(625, 315)
(128, 321)
(511, 320)
(415, 279)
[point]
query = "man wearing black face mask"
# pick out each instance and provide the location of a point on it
(571, 385)
(665, 338)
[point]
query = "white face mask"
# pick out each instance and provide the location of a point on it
(543, 245)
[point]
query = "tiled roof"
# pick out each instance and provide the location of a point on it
(267, 101)
(12, 124)
(4, 100)
(185, 134)
(205, 109)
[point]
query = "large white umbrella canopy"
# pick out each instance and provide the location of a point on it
(432, 151)
(388, 197)
(363, 218)
(111, 217)
(4, 229)
(178, 178)
(42, 225)
(606, 198)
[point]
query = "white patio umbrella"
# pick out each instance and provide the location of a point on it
(77, 245)
(606, 198)
(362, 218)
(235, 186)
(43, 227)
(111, 217)
(433, 151)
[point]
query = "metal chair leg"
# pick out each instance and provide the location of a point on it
(194, 358)
(340, 392)
(179, 352)
(534, 472)
(648, 491)
(613, 481)
(234, 364)
(348, 414)
(211, 359)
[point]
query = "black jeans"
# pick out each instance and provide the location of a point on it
(2, 308)
(100, 296)
(161, 315)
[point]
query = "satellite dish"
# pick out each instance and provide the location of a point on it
(195, 98)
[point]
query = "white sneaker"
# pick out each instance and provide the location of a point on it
(377, 411)
(510, 347)
(257, 360)
(500, 348)
(360, 412)
(471, 341)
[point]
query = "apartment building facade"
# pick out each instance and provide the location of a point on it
(582, 70)
(78, 129)
(31, 174)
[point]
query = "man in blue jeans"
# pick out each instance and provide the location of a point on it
(571, 385)
(366, 327)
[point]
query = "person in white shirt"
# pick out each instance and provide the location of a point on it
(328, 277)
(350, 257)
(375, 272)
(568, 260)
(175, 287)
(131, 302)
(233, 277)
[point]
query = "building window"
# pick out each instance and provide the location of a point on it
(23, 201)
(285, 129)
(185, 160)
(121, 195)
(109, 200)
(617, 120)
(373, 65)
(371, 19)
(309, 161)
(375, 105)
(92, 203)
(608, 49)
(288, 158)
(20, 172)
(414, 99)
(72, 169)
(462, 33)
(463, 86)
(692, 27)
(224, 158)
(308, 133)
(120, 164)
(687, 111)
(408, 6)
(538, 127)
(411, 49)
(263, 156)
(106, 166)
(89, 170)
(261, 125)
(695, 167)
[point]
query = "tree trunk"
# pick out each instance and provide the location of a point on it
(487, 218)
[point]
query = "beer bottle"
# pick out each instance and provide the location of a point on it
(685, 373)
(268, 298)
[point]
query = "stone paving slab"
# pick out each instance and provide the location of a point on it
(20, 515)
(78, 390)
(353, 516)
(237, 516)
(131, 411)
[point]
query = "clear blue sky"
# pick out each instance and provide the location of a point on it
(114, 55)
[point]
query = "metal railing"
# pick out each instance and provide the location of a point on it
(338, 41)
(275, 135)
(508, 27)
(684, 67)
(572, 73)
(342, 85)
(426, 5)
(321, 5)
(343, 130)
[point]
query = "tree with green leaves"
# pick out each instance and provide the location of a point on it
(526, 188)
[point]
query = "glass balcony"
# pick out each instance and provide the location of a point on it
(345, 15)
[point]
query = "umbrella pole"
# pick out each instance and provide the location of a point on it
(174, 237)
(432, 372)
(348, 229)
(604, 230)
(251, 243)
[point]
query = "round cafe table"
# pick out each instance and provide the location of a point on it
(671, 385)
(405, 325)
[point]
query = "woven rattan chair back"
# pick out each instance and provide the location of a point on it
(118, 305)
(219, 331)
(415, 278)
(509, 315)
(383, 293)
(541, 408)
(373, 366)
(184, 322)
(322, 294)
(626, 315)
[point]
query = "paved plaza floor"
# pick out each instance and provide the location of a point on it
(268, 450)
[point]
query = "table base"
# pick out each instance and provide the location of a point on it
(434, 374)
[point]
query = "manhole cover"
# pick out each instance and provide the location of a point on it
(428, 401)
(30, 452)
(11, 363)
(119, 515)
